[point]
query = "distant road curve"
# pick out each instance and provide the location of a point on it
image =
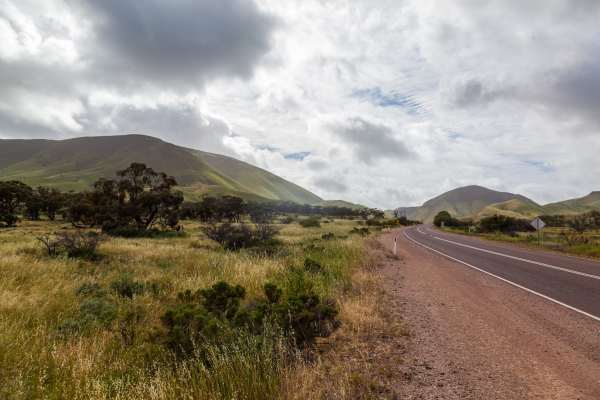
(570, 282)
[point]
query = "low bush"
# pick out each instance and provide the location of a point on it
(360, 231)
(504, 224)
(328, 236)
(287, 220)
(215, 316)
(235, 237)
(127, 287)
(311, 222)
(73, 244)
(96, 309)
(90, 290)
(312, 266)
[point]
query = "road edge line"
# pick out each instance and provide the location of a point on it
(560, 303)
(538, 263)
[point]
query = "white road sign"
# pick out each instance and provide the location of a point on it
(538, 224)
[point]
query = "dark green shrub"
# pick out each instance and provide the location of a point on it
(235, 237)
(287, 220)
(222, 299)
(129, 324)
(208, 316)
(96, 310)
(328, 236)
(444, 218)
(126, 286)
(360, 231)
(215, 315)
(504, 224)
(312, 222)
(312, 266)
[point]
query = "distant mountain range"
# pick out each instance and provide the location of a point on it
(477, 202)
(74, 164)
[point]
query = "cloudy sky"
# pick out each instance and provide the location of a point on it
(382, 102)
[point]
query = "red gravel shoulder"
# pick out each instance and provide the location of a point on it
(475, 337)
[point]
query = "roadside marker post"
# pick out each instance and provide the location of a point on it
(395, 245)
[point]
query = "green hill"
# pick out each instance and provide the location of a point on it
(591, 202)
(477, 202)
(464, 202)
(74, 164)
(340, 203)
(518, 207)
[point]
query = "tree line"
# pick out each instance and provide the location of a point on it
(140, 200)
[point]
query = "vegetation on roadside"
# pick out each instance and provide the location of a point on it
(115, 302)
(574, 234)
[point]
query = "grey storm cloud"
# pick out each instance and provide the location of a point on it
(144, 49)
(331, 185)
(182, 123)
(182, 42)
(371, 141)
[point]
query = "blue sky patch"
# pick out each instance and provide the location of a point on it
(378, 97)
(543, 166)
(297, 156)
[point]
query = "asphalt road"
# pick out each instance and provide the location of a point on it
(569, 282)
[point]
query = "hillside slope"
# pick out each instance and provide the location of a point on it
(587, 203)
(519, 207)
(464, 202)
(74, 164)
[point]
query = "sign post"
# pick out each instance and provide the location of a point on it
(538, 224)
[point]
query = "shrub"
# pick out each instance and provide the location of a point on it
(215, 316)
(360, 231)
(235, 237)
(207, 316)
(75, 244)
(444, 218)
(223, 299)
(504, 224)
(328, 236)
(93, 310)
(312, 266)
(90, 289)
(287, 220)
(312, 222)
(125, 286)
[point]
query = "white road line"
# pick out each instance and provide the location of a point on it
(541, 264)
(560, 303)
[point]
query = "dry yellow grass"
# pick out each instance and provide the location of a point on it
(38, 293)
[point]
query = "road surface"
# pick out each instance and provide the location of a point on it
(570, 282)
(490, 320)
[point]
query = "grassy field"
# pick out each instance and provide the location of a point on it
(565, 240)
(125, 359)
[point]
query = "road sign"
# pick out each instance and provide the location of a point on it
(538, 224)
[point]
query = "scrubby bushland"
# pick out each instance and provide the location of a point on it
(13, 195)
(504, 224)
(444, 218)
(360, 231)
(312, 222)
(73, 244)
(138, 201)
(236, 237)
(126, 286)
(216, 316)
(96, 308)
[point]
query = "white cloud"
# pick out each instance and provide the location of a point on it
(498, 93)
